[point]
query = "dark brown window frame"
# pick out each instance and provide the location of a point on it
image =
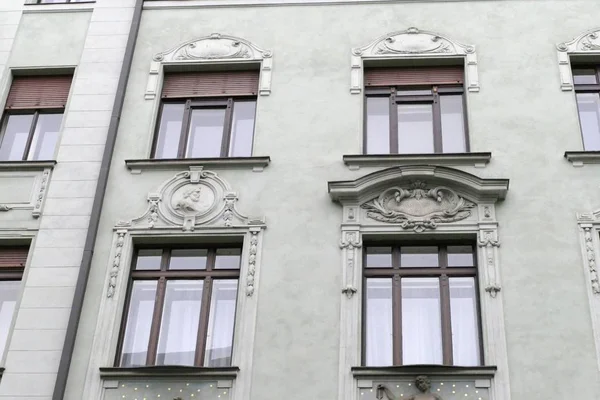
(14, 273)
(443, 272)
(585, 88)
(433, 98)
(190, 104)
(36, 114)
(162, 276)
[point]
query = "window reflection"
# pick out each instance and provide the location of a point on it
(589, 116)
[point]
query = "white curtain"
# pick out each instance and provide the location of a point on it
(221, 322)
(379, 347)
(465, 326)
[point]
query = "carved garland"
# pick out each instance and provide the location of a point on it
(37, 209)
(114, 272)
(586, 43)
(591, 260)
(488, 242)
(252, 263)
(350, 242)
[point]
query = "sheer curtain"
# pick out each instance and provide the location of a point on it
(221, 321)
(465, 326)
(139, 322)
(379, 339)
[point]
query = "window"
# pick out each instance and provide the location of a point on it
(205, 115)
(415, 111)
(33, 116)
(12, 264)
(181, 307)
(61, 1)
(421, 305)
(587, 90)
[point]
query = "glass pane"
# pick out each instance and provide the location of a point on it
(415, 128)
(378, 328)
(465, 326)
(148, 259)
(45, 137)
(419, 256)
(228, 258)
(188, 259)
(15, 137)
(9, 293)
(221, 321)
(460, 256)
(206, 133)
(453, 124)
(585, 76)
(179, 324)
(379, 257)
(169, 132)
(589, 115)
(242, 129)
(139, 322)
(421, 321)
(419, 92)
(378, 125)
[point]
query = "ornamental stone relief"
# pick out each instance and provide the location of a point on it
(587, 43)
(418, 207)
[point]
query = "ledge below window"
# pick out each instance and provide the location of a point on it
(173, 371)
(26, 165)
(580, 158)
(257, 164)
(32, 7)
(356, 161)
(412, 370)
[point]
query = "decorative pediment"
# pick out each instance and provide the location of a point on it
(586, 43)
(413, 43)
(418, 207)
(216, 49)
(190, 199)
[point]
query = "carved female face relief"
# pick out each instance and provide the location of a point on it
(193, 199)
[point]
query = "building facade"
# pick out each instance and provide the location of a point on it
(265, 199)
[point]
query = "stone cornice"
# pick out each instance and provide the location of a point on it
(257, 164)
(168, 371)
(26, 165)
(356, 161)
(580, 158)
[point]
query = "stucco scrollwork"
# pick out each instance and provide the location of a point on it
(585, 44)
(215, 48)
(418, 207)
(413, 43)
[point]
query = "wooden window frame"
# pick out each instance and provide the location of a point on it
(433, 98)
(36, 114)
(190, 104)
(163, 275)
(443, 272)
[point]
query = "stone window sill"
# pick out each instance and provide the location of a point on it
(413, 370)
(59, 7)
(580, 158)
(26, 165)
(168, 371)
(356, 161)
(257, 164)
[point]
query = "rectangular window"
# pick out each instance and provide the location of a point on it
(181, 307)
(421, 305)
(207, 115)
(587, 91)
(415, 111)
(33, 116)
(12, 264)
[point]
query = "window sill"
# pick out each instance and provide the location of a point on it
(173, 371)
(26, 165)
(412, 370)
(257, 164)
(59, 7)
(580, 158)
(356, 161)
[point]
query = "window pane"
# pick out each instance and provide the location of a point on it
(421, 321)
(585, 76)
(378, 332)
(465, 326)
(453, 127)
(9, 292)
(589, 115)
(45, 137)
(415, 128)
(206, 133)
(139, 322)
(419, 256)
(418, 92)
(179, 324)
(228, 258)
(148, 259)
(460, 256)
(379, 257)
(169, 132)
(221, 320)
(378, 125)
(242, 129)
(188, 259)
(15, 137)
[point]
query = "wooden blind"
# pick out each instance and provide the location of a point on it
(31, 92)
(202, 84)
(413, 76)
(13, 257)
